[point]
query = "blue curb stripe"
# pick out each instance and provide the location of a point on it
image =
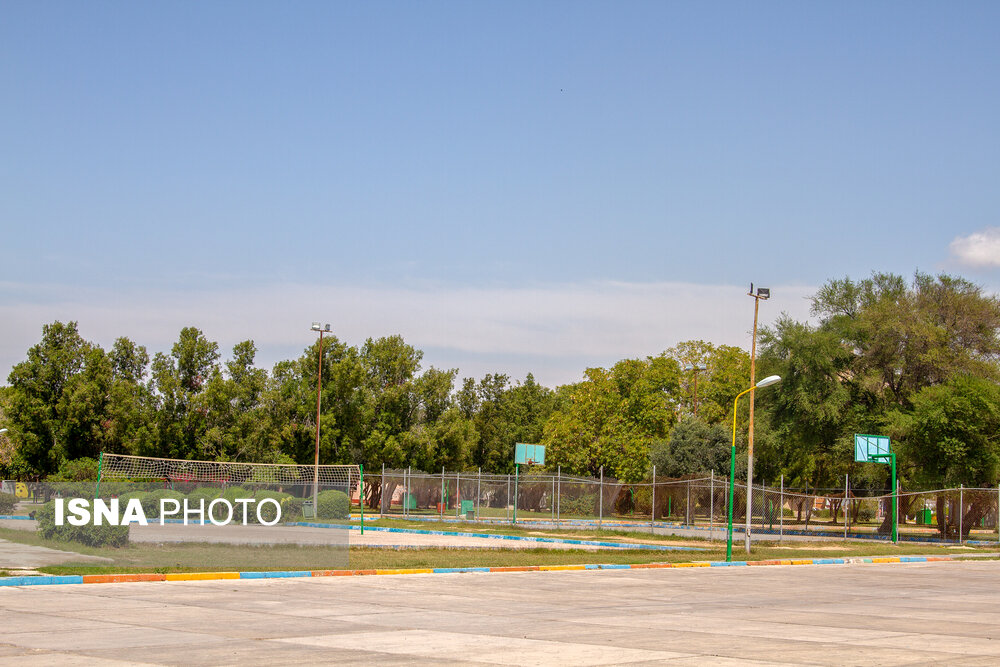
(455, 570)
(15, 516)
(912, 559)
(275, 575)
(40, 581)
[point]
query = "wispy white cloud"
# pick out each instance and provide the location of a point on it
(555, 331)
(980, 249)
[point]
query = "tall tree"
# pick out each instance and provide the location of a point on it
(611, 418)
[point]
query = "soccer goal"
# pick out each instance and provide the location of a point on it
(302, 481)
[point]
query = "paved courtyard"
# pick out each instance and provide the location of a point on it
(910, 614)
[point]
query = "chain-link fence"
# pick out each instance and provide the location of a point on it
(695, 503)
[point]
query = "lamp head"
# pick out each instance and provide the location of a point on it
(315, 326)
(769, 380)
(327, 327)
(763, 293)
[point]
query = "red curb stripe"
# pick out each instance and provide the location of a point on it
(121, 578)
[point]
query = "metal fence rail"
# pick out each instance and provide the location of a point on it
(697, 503)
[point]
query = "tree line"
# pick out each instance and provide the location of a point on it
(916, 360)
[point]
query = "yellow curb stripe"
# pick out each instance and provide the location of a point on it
(407, 571)
(201, 576)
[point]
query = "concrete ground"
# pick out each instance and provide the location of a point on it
(910, 614)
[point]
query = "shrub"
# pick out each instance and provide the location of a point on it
(206, 493)
(333, 505)
(585, 504)
(234, 492)
(267, 512)
(866, 514)
(291, 508)
(91, 535)
(7, 502)
(151, 501)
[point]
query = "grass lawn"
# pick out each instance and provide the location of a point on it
(195, 557)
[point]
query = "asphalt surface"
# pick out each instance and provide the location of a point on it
(905, 614)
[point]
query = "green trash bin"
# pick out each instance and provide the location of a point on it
(411, 501)
(468, 506)
(308, 511)
(924, 517)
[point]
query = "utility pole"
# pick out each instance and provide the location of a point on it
(761, 293)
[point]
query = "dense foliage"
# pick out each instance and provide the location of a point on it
(916, 360)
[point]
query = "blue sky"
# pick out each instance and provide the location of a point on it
(512, 186)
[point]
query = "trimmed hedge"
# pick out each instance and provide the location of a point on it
(151, 501)
(208, 493)
(333, 505)
(91, 535)
(268, 511)
(7, 502)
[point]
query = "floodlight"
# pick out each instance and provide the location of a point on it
(769, 380)
(763, 293)
(327, 327)
(315, 326)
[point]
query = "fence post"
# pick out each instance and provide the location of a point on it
(711, 507)
(652, 512)
(781, 509)
(961, 511)
(847, 486)
(381, 496)
(458, 495)
(442, 494)
(479, 479)
(406, 502)
(600, 516)
(558, 493)
(552, 499)
(688, 514)
(506, 504)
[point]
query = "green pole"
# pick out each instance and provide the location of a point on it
(895, 508)
(100, 462)
(732, 476)
(361, 497)
(517, 470)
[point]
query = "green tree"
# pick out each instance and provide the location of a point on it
(611, 418)
(694, 447)
(57, 400)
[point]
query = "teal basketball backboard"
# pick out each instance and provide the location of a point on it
(871, 448)
(529, 454)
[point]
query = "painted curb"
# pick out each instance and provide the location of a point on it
(210, 576)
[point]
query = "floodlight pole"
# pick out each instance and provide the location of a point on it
(319, 383)
(761, 293)
(732, 466)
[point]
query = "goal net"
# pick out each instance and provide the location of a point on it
(295, 479)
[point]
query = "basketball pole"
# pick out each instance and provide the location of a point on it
(517, 470)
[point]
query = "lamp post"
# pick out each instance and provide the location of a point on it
(771, 379)
(695, 368)
(319, 383)
(761, 293)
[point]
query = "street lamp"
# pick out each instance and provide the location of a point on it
(769, 380)
(695, 368)
(319, 382)
(762, 293)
